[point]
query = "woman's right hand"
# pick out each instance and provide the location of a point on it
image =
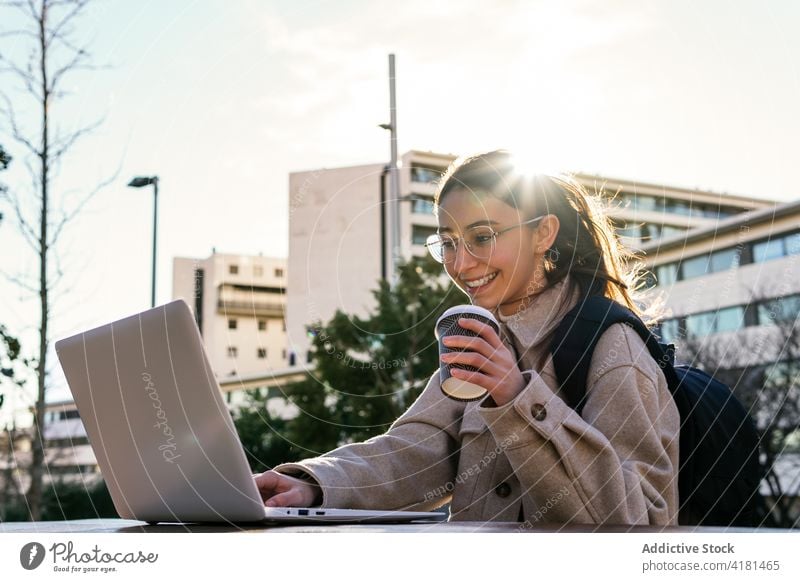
(278, 490)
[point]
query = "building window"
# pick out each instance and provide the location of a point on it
(716, 262)
(730, 319)
(422, 205)
(767, 250)
(233, 269)
(233, 324)
(793, 244)
(284, 325)
(781, 309)
(669, 230)
(279, 273)
(694, 267)
(309, 357)
(647, 203)
(292, 359)
(258, 271)
(699, 324)
(679, 207)
(262, 325)
(232, 352)
(667, 274)
(724, 260)
(283, 355)
(199, 274)
(776, 248)
(726, 319)
(420, 234)
(262, 353)
(669, 330)
(425, 174)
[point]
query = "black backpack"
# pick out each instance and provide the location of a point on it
(719, 470)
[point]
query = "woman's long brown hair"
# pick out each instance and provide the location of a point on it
(586, 246)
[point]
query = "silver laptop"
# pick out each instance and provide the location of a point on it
(162, 434)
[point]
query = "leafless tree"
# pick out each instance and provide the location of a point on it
(47, 31)
(762, 366)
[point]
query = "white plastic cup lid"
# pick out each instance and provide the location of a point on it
(473, 309)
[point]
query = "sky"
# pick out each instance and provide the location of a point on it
(222, 100)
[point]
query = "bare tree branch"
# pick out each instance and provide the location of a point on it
(68, 216)
(59, 274)
(56, 31)
(26, 75)
(61, 148)
(73, 65)
(28, 234)
(15, 130)
(10, 33)
(18, 281)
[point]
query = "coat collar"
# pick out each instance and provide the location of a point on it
(534, 324)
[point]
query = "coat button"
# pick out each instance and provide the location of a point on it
(539, 411)
(503, 490)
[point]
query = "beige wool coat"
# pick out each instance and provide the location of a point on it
(533, 460)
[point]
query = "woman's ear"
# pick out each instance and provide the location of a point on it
(547, 232)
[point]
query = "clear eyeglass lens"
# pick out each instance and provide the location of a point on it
(434, 244)
(479, 240)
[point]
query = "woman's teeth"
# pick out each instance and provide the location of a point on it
(481, 281)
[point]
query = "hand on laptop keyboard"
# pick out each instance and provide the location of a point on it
(278, 490)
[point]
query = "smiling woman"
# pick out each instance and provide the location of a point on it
(529, 249)
(566, 233)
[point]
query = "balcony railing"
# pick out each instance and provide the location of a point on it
(265, 308)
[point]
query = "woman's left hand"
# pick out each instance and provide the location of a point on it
(496, 366)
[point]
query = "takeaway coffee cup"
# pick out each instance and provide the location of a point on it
(448, 325)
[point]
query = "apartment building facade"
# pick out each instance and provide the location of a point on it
(733, 281)
(239, 303)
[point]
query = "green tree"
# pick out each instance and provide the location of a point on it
(9, 345)
(64, 500)
(5, 159)
(270, 440)
(12, 364)
(367, 371)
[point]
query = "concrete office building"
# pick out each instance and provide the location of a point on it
(731, 280)
(239, 305)
(339, 240)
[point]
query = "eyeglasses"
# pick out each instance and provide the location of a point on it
(479, 242)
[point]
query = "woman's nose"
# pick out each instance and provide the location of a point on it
(463, 259)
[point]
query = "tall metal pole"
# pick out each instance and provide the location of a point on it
(394, 177)
(155, 232)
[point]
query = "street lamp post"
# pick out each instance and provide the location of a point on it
(140, 182)
(394, 181)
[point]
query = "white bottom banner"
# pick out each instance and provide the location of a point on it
(397, 556)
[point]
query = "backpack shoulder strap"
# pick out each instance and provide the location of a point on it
(577, 335)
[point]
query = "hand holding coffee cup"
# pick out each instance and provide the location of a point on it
(447, 326)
